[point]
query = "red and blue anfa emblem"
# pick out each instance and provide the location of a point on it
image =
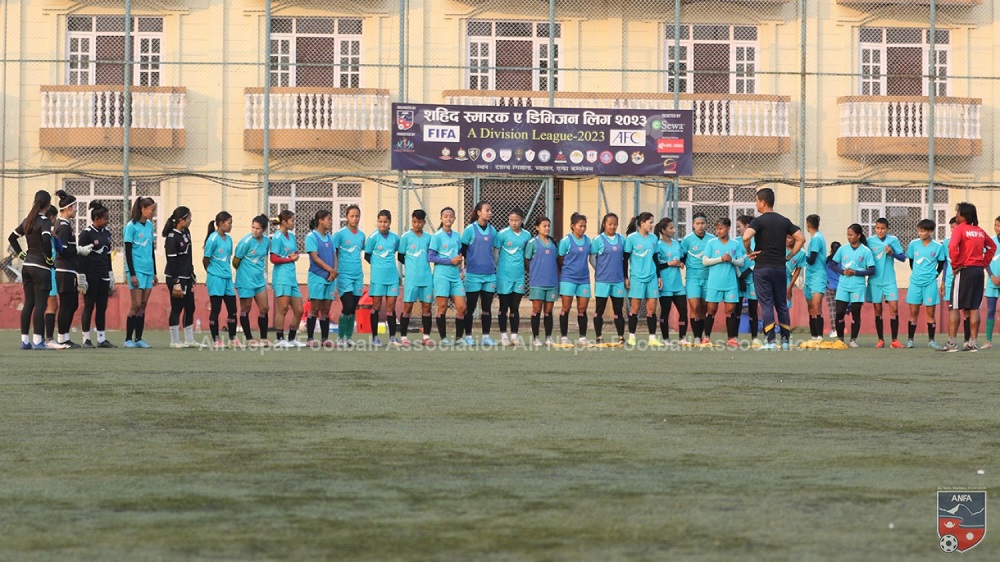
(961, 519)
(404, 119)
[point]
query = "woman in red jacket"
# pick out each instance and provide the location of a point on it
(971, 249)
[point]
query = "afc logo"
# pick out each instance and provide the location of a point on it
(628, 137)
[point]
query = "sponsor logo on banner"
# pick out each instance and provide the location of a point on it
(505, 154)
(591, 156)
(961, 519)
(638, 157)
(621, 157)
(445, 154)
(441, 133)
(404, 145)
(560, 157)
(669, 165)
(489, 155)
(544, 156)
(670, 146)
(460, 155)
(606, 157)
(404, 119)
(576, 156)
(628, 137)
(519, 154)
(473, 154)
(529, 155)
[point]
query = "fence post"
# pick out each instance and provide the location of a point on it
(127, 113)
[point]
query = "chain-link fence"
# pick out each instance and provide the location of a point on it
(853, 110)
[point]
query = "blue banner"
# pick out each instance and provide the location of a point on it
(542, 141)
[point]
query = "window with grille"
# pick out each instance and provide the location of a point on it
(316, 52)
(504, 196)
(96, 50)
(903, 207)
(304, 199)
(512, 55)
(716, 201)
(109, 192)
(712, 59)
(895, 61)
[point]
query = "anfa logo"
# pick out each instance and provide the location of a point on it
(961, 517)
(404, 119)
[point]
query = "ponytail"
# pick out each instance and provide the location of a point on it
(220, 218)
(137, 207)
(41, 203)
(179, 214)
(262, 221)
(320, 215)
(282, 217)
(661, 226)
(65, 199)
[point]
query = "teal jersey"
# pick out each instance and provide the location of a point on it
(816, 271)
(511, 245)
(797, 262)
(284, 245)
(749, 263)
(858, 259)
(383, 249)
(948, 273)
(418, 268)
(142, 236)
(723, 276)
(253, 260)
(349, 246)
(694, 249)
(925, 261)
(447, 245)
(219, 252)
(994, 265)
(641, 250)
(885, 265)
(667, 253)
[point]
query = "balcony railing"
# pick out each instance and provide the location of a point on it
(318, 119)
(94, 116)
(723, 123)
(913, 2)
(900, 125)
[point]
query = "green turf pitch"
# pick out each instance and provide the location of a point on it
(475, 455)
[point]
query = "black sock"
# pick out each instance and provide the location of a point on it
(682, 329)
(262, 326)
(426, 324)
(390, 319)
(442, 327)
(459, 327)
(140, 325)
(814, 328)
(581, 321)
(231, 324)
(912, 330)
(279, 334)
(245, 323)
(620, 325)
(324, 329)
(709, 324)
(50, 325)
(598, 325)
(879, 329)
(651, 324)
(548, 325)
(855, 321)
(894, 327)
(698, 327)
(536, 324)
(129, 327)
(841, 325)
(310, 327)
(732, 326)
(291, 334)
(487, 321)
(665, 328)
(404, 325)
(213, 328)
(514, 323)
(564, 324)
(931, 328)
(820, 326)
(968, 329)
(633, 323)
(374, 320)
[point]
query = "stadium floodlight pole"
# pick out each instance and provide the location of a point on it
(267, 106)
(803, 9)
(932, 88)
(552, 58)
(675, 192)
(400, 180)
(127, 111)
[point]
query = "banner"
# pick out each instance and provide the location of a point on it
(542, 141)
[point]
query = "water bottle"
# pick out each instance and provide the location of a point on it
(197, 326)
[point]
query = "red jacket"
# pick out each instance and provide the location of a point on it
(970, 246)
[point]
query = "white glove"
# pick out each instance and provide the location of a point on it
(111, 287)
(84, 250)
(81, 283)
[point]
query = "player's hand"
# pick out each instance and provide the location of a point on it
(789, 293)
(456, 260)
(133, 282)
(849, 272)
(727, 258)
(753, 255)
(81, 283)
(627, 285)
(84, 251)
(155, 281)
(674, 263)
(995, 279)
(22, 255)
(293, 256)
(659, 283)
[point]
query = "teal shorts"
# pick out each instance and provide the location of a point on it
(145, 281)
(696, 287)
(751, 292)
(926, 295)
(643, 289)
(54, 291)
(414, 293)
(250, 292)
(991, 289)
(346, 285)
(219, 286)
(475, 283)
(814, 288)
(320, 289)
(508, 286)
(668, 291)
(879, 293)
(547, 294)
(448, 287)
(605, 290)
(850, 296)
(574, 289)
(286, 290)
(722, 296)
(383, 289)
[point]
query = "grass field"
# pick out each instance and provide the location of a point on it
(487, 455)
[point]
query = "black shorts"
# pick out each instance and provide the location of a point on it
(37, 278)
(967, 289)
(65, 281)
(186, 284)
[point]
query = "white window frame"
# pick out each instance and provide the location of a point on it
(81, 67)
(872, 63)
(346, 61)
(115, 224)
(733, 203)
(871, 211)
(335, 202)
(484, 69)
(744, 58)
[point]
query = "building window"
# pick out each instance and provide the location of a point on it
(109, 192)
(894, 61)
(304, 199)
(712, 59)
(512, 55)
(316, 52)
(716, 201)
(96, 50)
(903, 207)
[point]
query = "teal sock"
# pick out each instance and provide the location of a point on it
(342, 327)
(350, 326)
